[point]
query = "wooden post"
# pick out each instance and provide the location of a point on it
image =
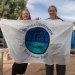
(1, 59)
(1, 63)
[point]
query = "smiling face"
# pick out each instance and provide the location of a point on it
(25, 15)
(52, 12)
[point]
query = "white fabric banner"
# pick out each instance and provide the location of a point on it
(43, 41)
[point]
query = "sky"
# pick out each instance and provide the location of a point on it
(65, 9)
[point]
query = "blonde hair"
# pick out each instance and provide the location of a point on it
(55, 10)
(21, 18)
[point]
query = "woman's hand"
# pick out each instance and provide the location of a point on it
(38, 18)
(74, 23)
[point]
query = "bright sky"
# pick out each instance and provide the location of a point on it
(39, 8)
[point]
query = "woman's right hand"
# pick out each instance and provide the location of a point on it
(38, 18)
(74, 23)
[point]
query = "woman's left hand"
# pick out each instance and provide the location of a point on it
(38, 18)
(74, 23)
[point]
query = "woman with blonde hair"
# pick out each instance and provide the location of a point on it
(25, 15)
(20, 68)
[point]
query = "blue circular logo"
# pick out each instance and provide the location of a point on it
(37, 40)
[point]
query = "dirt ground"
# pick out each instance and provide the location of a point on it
(39, 69)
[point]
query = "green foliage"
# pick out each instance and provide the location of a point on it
(10, 9)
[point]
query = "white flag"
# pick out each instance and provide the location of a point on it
(43, 41)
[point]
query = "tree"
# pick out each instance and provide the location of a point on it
(10, 9)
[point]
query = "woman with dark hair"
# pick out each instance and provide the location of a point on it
(20, 68)
(60, 69)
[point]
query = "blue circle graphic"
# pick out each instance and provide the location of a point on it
(37, 40)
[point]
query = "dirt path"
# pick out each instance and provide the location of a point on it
(39, 69)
